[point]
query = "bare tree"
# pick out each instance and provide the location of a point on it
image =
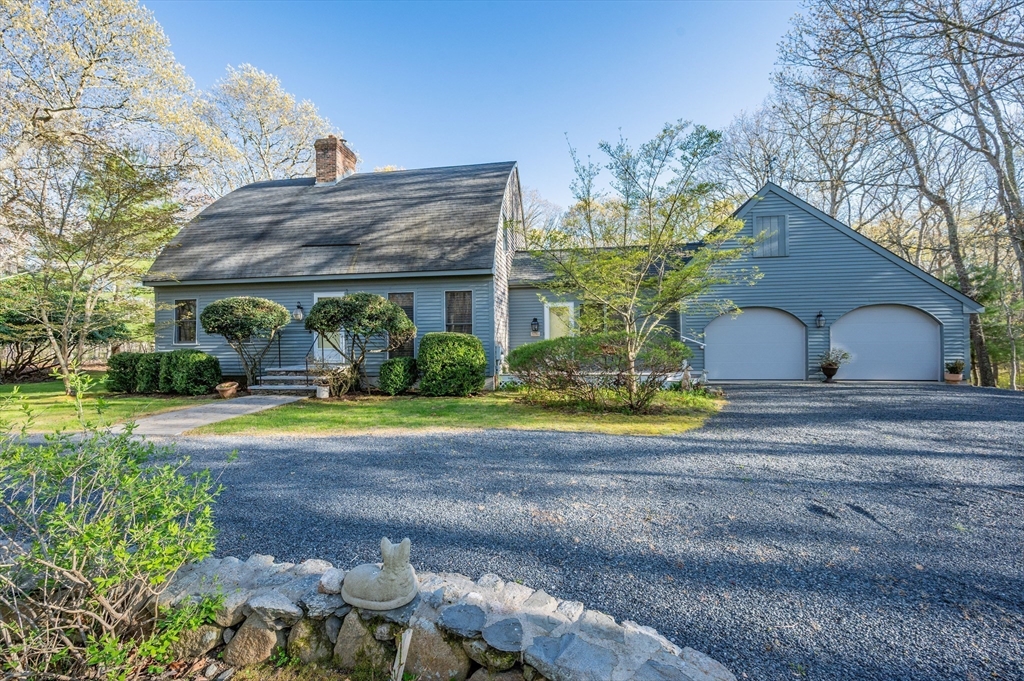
(539, 217)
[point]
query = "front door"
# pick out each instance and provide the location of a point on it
(322, 349)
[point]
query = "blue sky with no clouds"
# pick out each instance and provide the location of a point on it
(434, 84)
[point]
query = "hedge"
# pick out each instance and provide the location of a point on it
(451, 364)
(397, 375)
(147, 374)
(121, 372)
(196, 373)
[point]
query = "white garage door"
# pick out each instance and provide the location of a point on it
(759, 343)
(888, 342)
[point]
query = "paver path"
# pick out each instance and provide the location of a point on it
(172, 423)
(851, 532)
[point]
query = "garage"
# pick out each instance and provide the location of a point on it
(760, 343)
(889, 343)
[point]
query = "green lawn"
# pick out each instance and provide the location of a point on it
(51, 409)
(679, 413)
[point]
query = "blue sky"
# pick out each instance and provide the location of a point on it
(435, 84)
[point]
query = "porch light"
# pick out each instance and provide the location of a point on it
(819, 321)
(299, 313)
(535, 327)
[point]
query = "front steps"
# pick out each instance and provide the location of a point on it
(284, 381)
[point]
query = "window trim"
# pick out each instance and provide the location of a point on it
(177, 327)
(412, 318)
(472, 310)
(547, 317)
(783, 232)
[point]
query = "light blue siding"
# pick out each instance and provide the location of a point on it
(428, 303)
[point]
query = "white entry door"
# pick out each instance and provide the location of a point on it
(888, 343)
(758, 344)
(322, 348)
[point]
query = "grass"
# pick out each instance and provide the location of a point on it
(678, 412)
(53, 410)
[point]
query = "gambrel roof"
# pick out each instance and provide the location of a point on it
(434, 220)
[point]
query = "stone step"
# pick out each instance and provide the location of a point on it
(284, 378)
(283, 389)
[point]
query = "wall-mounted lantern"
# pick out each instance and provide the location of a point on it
(535, 327)
(819, 321)
(299, 313)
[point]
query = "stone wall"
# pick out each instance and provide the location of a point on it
(483, 630)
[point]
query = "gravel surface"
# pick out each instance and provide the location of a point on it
(846, 532)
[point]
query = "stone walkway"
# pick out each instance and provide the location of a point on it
(177, 422)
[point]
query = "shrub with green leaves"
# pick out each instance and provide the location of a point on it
(248, 324)
(121, 372)
(195, 373)
(147, 373)
(397, 375)
(451, 364)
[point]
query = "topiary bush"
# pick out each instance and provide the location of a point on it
(195, 373)
(121, 370)
(452, 364)
(248, 324)
(397, 375)
(147, 374)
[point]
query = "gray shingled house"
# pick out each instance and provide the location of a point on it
(442, 242)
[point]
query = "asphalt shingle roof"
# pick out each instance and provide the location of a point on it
(434, 219)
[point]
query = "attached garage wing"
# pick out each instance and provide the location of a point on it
(889, 343)
(758, 344)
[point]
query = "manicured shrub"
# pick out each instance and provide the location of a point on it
(147, 373)
(166, 375)
(451, 364)
(121, 370)
(248, 324)
(195, 373)
(397, 375)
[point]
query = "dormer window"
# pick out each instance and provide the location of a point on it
(772, 236)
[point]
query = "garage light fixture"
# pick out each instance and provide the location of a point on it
(819, 321)
(299, 313)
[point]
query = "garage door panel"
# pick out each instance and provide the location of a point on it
(759, 343)
(888, 342)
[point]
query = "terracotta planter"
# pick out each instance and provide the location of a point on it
(227, 390)
(829, 372)
(954, 378)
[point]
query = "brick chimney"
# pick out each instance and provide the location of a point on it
(334, 160)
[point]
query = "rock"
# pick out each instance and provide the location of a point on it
(464, 620)
(692, 666)
(308, 642)
(252, 643)
(356, 641)
(332, 625)
(531, 674)
(647, 640)
(484, 675)
(343, 610)
(403, 614)
(330, 581)
(228, 635)
(385, 632)
(432, 658)
(513, 596)
(313, 566)
(704, 668)
(210, 671)
(257, 560)
(486, 656)
(569, 657)
(321, 606)
(571, 610)
(505, 635)
(226, 674)
(231, 611)
(275, 609)
(435, 598)
(541, 601)
(491, 581)
(193, 643)
(385, 587)
(597, 625)
(297, 587)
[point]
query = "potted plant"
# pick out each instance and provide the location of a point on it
(955, 371)
(227, 389)
(830, 361)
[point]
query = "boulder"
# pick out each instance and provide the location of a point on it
(432, 658)
(193, 643)
(505, 635)
(308, 642)
(488, 657)
(320, 606)
(330, 581)
(355, 642)
(597, 625)
(570, 658)
(332, 625)
(231, 611)
(462, 619)
(313, 566)
(485, 675)
(704, 668)
(691, 666)
(275, 609)
(253, 643)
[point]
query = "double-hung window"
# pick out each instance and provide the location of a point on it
(772, 237)
(404, 301)
(185, 322)
(458, 311)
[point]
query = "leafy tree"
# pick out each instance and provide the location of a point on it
(369, 323)
(659, 241)
(248, 324)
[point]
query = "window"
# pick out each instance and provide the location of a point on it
(185, 321)
(770, 231)
(404, 301)
(558, 320)
(458, 311)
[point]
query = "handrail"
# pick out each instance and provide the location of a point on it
(692, 340)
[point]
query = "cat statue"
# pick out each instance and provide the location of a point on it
(386, 587)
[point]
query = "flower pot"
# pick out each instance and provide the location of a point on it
(829, 372)
(954, 378)
(323, 392)
(227, 390)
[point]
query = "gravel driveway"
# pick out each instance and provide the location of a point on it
(846, 532)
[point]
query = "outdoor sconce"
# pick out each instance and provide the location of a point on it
(819, 321)
(535, 327)
(299, 313)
